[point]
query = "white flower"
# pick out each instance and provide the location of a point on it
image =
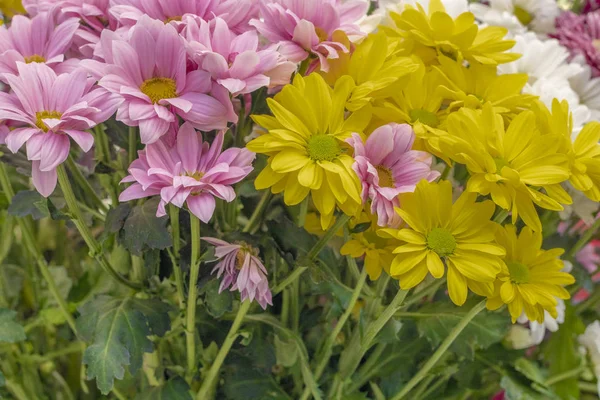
(518, 15)
(537, 330)
(586, 87)
(583, 208)
(591, 341)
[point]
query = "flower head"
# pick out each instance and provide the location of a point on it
(531, 280)
(11, 7)
(189, 172)
(48, 109)
(518, 15)
(241, 270)
(148, 69)
(443, 235)
(373, 248)
(387, 167)
(580, 34)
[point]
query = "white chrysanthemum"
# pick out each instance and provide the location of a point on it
(583, 208)
(537, 331)
(586, 87)
(591, 341)
(518, 15)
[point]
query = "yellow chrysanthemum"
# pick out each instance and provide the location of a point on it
(306, 148)
(432, 34)
(11, 7)
(374, 69)
(583, 152)
(531, 279)
(460, 235)
(374, 248)
(477, 84)
(517, 166)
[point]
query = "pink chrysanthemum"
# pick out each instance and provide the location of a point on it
(189, 172)
(148, 69)
(590, 5)
(234, 61)
(48, 109)
(236, 13)
(36, 40)
(581, 35)
(305, 28)
(386, 167)
(241, 270)
(589, 257)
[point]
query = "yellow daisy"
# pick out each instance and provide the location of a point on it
(11, 7)
(459, 237)
(518, 166)
(531, 279)
(305, 142)
(373, 248)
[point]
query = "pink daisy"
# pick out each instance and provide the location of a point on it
(148, 69)
(241, 270)
(386, 166)
(234, 61)
(36, 40)
(48, 109)
(189, 172)
(305, 28)
(580, 34)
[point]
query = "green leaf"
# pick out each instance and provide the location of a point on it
(483, 331)
(115, 218)
(10, 331)
(2, 379)
(175, 389)
(531, 370)
(286, 352)
(143, 229)
(29, 202)
(216, 303)
(118, 330)
(243, 383)
(514, 390)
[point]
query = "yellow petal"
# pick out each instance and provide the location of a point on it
(288, 161)
(435, 264)
(457, 286)
(507, 292)
(311, 175)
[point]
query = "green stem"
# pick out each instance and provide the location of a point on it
(325, 354)
(258, 212)
(174, 215)
(316, 249)
(84, 184)
(303, 212)
(84, 230)
(428, 290)
(587, 236)
(207, 385)
(132, 151)
(589, 302)
(118, 394)
(190, 328)
(30, 243)
(433, 360)
(368, 369)
(446, 172)
(289, 280)
(501, 216)
(383, 319)
(588, 387)
(574, 373)
(16, 390)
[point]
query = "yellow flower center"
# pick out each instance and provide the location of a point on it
(385, 176)
(176, 18)
(196, 175)
(425, 117)
(241, 254)
(523, 15)
(42, 115)
(441, 241)
(159, 88)
(323, 148)
(36, 58)
(519, 273)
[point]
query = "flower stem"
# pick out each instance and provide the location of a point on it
(31, 245)
(84, 184)
(132, 151)
(207, 385)
(174, 215)
(316, 249)
(258, 212)
(587, 236)
(84, 230)
(190, 328)
(501, 216)
(573, 373)
(433, 360)
(289, 280)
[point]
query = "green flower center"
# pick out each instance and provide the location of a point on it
(523, 15)
(519, 273)
(500, 163)
(425, 117)
(441, 241)
(196, 175)
(42, 115)
(36, 58)
(323, 148)
(385, 176)
(159, 88)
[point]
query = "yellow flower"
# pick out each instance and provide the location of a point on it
(531, 279)
(583, 152)
(373, 68)
(460, 235)
(432, 34)
(305, 144)
(517, 166)
(11, 7)
(373, 247)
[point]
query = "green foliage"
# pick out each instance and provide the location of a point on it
(216, 303)
(142, 229)
(174, 389)
(10, 330)
(118, 329)
(29, 202)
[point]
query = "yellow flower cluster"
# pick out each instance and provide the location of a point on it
(438, 75)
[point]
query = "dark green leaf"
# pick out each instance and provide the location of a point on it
(102, 168)
(10, 331)
(29, 202)
(515, 390)
(115, 218)
(175, 389)
(531, 370)
(2, 380)
(55, 213)
(286, 352)
(217, 303)
(119, 330)
(246, 383)
(361, 227)
(143, 229)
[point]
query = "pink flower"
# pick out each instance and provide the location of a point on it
(148, 69)
(48, 109)
(241, 270)
(589, 257)
(387, 166)
(234, 61)
(580, 34)
(305, 28)
(36, 40)
(590, 5)
(190, 172)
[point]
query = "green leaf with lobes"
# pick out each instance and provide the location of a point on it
(143, 229)
(10, 331)
(175, 389)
